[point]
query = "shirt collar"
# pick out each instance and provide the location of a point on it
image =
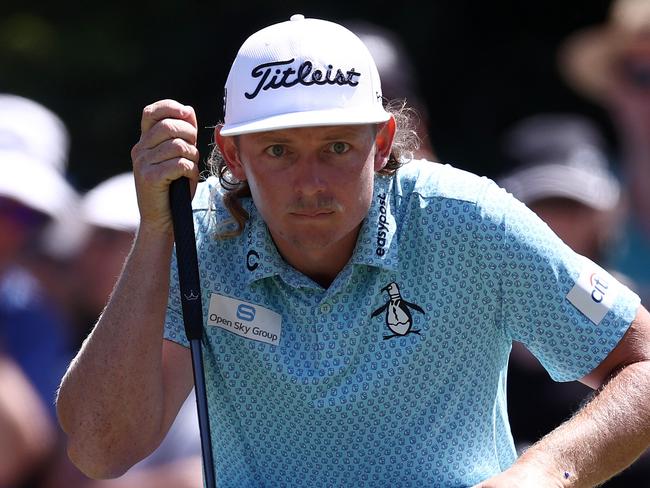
(260, 256)
(376, 245)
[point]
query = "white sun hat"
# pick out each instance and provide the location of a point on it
(27, 126)
(112, 204)
(301, 73)
(33, 184)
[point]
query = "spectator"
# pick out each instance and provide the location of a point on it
(26, 434)
(33, 332)
(610, 64)
(563, 175)
(399, 79)
(109, 214)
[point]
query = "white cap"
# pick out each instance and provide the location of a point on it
(583, 178)
(562, 157)
(301, 73)
(28, 127)
(33, 184)
(112, 204)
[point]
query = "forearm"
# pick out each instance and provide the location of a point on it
(183, 473)
(114, 387)
(603, 438)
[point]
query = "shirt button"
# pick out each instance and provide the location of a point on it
(325, 308)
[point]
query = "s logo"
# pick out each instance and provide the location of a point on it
(245, 312)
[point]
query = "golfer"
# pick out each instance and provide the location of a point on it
(359, 307)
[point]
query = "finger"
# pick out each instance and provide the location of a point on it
(169, 149)
(168, 129)
(167, 171)
(164, 109)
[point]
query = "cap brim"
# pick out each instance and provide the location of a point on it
(591, 188)
(113, 204)
(313, 118)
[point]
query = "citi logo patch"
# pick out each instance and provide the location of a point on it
(594, 293)
(245, 319)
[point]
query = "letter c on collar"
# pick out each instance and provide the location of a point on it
(252, 260)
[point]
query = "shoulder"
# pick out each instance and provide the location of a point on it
(447, 186)
(435, 180)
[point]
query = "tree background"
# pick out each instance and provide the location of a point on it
(481, 65)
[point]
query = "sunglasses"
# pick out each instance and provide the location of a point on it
(21, 214)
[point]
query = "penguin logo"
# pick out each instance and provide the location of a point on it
(398, 316)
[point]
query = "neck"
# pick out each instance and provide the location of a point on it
(321, 264)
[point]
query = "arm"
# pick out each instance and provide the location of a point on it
(123, 390)
(182, 473)
(27, 434)
(605, 436)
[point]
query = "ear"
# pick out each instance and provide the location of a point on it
(384, 142)
(230, 152)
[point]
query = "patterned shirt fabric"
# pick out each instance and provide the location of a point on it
(395, 375)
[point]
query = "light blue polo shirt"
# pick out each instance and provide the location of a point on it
(395, 375)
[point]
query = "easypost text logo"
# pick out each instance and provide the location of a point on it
(245, 319)
(594, 293)
(382, 226)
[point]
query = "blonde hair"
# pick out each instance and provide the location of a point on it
(405, 143)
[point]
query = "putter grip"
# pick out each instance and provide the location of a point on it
(188, 271)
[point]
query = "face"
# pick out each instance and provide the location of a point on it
(98, 266)
(313, 186)
(17, 224)
(561, 215)
(629, 94)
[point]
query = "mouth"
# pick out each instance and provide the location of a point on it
(312, 214)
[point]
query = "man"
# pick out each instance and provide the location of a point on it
(561, 172)
(610, 65)
(28, 435)
(109, 217)
(34, 344)
(358, 317)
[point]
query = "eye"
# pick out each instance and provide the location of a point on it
(339, 147)
(276, 150)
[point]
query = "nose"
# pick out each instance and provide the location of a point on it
(310, 177)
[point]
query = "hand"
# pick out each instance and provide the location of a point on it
(166, 151)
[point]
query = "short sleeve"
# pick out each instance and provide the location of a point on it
(567, 310)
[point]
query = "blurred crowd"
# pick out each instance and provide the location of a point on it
(61, 251)
(60, 255)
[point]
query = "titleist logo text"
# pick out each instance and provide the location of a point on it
(306, 75)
